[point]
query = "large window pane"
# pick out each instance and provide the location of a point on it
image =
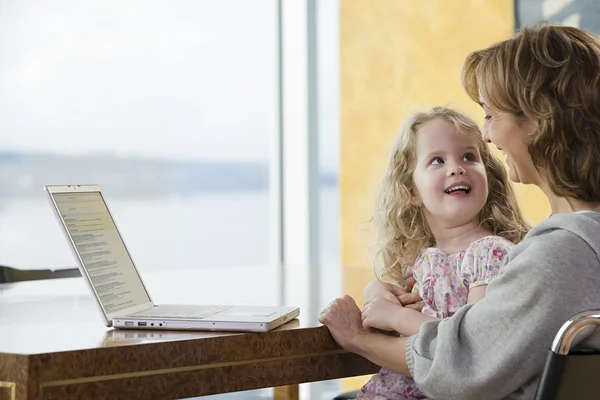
(329, 147)
(329, 159)
(169, 105)
(581, 14)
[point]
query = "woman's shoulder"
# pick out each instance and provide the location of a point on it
(584, 224)
(562, 239)
(565, 247)
(561, 230)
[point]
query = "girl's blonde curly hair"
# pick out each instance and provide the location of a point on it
(402, 232)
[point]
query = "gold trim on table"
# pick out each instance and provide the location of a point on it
(12, 386)
(189, 368)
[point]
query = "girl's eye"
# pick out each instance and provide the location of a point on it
(437, 160)
(469, 157)
(488, 117)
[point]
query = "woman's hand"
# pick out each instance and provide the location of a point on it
(382, 314)
(343, 318)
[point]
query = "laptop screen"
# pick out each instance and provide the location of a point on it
(100, 247)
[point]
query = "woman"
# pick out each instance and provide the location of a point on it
(541, 96)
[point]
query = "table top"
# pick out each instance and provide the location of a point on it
(54, 345)
(61, 315)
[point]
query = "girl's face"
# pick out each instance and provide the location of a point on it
(450, 181)
(511, 138)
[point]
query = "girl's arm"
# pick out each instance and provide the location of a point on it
(488, 259)
(375, 289)
(391, 316)
(409, 321)
(476, 294)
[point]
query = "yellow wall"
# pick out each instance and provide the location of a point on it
(396, 57)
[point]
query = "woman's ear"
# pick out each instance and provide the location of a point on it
(528, 125)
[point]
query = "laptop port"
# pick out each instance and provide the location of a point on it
(128, 323)
(142, 323)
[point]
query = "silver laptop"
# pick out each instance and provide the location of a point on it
(120, 293)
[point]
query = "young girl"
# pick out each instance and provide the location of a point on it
(448, 216)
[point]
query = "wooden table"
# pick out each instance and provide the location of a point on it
(53, 345)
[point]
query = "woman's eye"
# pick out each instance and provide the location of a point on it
(469, 157)
(488, 117)
(437, 160)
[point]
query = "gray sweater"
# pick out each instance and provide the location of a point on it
(496, 348)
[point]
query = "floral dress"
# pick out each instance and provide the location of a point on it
(443, 281)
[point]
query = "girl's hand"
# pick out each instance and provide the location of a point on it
(409, 299)
(343, 319)
(381, 314)
(377, 290)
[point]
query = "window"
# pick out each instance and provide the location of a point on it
(579, 13)
(169, 106)
(172, 107)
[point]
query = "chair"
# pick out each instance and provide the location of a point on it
(347, 395)
(11, 275)
(571, 374)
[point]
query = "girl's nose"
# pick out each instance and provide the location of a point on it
(458, 170)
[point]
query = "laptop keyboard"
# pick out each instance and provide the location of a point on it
(175, 311)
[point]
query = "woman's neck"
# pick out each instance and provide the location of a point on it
(566, 205)
(452, 239)
(559, 205)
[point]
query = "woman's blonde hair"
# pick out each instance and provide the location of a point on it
(402, 232)
(550, 75)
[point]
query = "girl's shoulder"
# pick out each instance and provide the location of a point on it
(481, 245)
(489, 244)
(491, 241)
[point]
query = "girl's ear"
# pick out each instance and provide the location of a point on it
(415, 199)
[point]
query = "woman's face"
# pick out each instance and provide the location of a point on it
(511, 138)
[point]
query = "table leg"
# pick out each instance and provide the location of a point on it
(290, 392)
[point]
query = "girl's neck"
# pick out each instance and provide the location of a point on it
(452, 239)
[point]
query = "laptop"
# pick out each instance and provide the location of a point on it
(122, 297)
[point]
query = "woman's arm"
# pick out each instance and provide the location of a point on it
(484, 348)
(499, 344)
(343, 318)
(383, 350)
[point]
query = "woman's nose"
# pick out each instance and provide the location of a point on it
(485, 135)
